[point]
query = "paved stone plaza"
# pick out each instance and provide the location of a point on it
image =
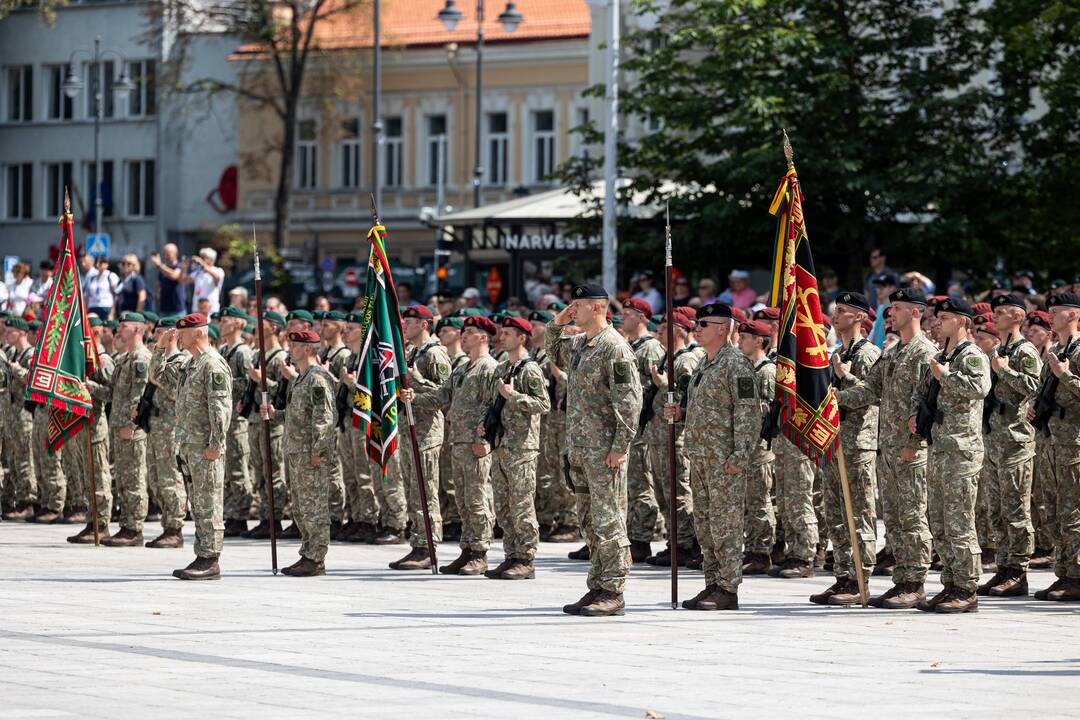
(105, 632)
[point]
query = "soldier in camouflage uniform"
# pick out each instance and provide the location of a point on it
(334, 356)
(644, 511)
(1010, 446)
(309, 441)
(603, 400)
(1063, 363)
(360, 498)
(463, 398)
(519, 381)
(239, 357)
(858, 442)
(273, 324)
(130, 451)
(891, 384)
(428, 367)
(20, 423)
(723, 417)
(449, 332)
(99, 385)
(167, 362)
(203, 415)
(760, 534)
(956, 457)
(1037, 331)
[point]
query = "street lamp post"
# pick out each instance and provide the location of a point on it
(510, 18)
(122, 87)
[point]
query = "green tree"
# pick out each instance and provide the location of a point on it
(47, 8)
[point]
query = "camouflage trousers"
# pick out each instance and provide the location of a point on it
(952, 484)
(795, 501)
(336, 476)
(601, 494)
(52, 485)
(429, 460)
(161, 452)
(390, 492)
(102, 476)
(360, 500)
(513, 486)
(130, 485)
(643, 518)
(760, 517)
(259, 466)
(555, 501)
(684, 503)
(207, 478)
(1043, 496)
(907, 533)
(860, 475)
(23, 476)
(719, 510)
(76, 482)
(309, 491)
(1065, 465)
(472, 487)
(237, 480)
(988, 531)
(1008, 468)
(447, 500)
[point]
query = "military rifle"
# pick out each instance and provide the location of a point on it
(1046, 404)
(928, 412)
(991, 404)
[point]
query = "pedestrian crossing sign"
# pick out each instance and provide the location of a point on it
(97, 245)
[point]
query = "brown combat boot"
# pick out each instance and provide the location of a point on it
(997, 578)
(692, 603)
(22, 515)
(696, 562)
(201, 569)
(235, 528)
(564, 534)
(45, 517)
(792, 568)
(639, 550)
(499, 569)
(720, 599)
(574, 608)
(892, 592)
(74, 517)
(820, 557)
(756, 564)
(125, 538)
(928, 604)
(848, 595)
(581, 553)
(662, 558)
(336, 528)
(171, 538)
(388, 536)
(363, 533)
(884, 563)
(304, 567)
(1051, 593)
(455, 566)
(417, 559)
(908, 597)
(476, 564)
(451, 531)
(1070, 591)
(959, 601)
(822, 598)
(290, 533)
(988, 557)
(604, 605)
(86, 535)
(521, 569)
(1013, 583)
(1041, 559)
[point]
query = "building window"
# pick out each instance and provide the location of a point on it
(579, 147)
(393, 148)
(543, 129)
(307, 150)
(497, 146)
(19, 191)
(106, 188)
(350, 153)
(60, 105)
(101, 76)
(436, 149)
(142, 101)
(20, 93)
(57, 177)
(140, 188)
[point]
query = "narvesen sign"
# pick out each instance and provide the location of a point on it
(551, 242)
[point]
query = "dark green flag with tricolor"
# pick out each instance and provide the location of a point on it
(382, 353)
(65, 350)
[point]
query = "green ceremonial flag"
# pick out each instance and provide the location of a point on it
(382, 353)
(65, 350)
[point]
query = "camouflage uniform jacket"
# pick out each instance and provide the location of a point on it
(462, 358)
(335, 358)
(429, 367)
(890, 384)
(99, 384)
(204, 402)
(18, 375)
(522, 410)
(1016, 385)
(859, 426)
(239, 358)
(765, 377)
(649, 352)
(132, 373)
(463, 397)
(686, 362)
(165, 375)
(723, 412)
(963, 387)
(1065, 430)
(310, 415)
(603, 392)
(275, 360)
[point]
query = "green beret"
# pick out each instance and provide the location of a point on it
(113, 324)
(215, 316)
(95, 321)
(651, 326)
(336, 315)
(5, 314)
(542, 316)
(511, 313)
(274, 317)
(132, 317)
(556, 306)
(33, 325)
(302, 315)
(249, 327)
(150, 316)
(18, 323)
(355, 317)
(454, 322)
(319, 315)
(167, 322)
(214, 332)
(616, 320)
(468, 312)
(657, 319)
(232, 311)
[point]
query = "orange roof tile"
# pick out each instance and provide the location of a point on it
(413, 23)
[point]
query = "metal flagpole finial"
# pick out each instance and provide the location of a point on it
(255, 247)
(667, 234)
(789, 153)
(67, 201)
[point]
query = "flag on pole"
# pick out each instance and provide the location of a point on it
(810, 416)
(65, 350)
(382, 358)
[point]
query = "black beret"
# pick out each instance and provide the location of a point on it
(715, 310)
(908, 295)
(957, 306)
(854, 299)
(1064, 300)
(589, 291)
(1008, 300)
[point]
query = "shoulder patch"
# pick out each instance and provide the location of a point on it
(623, 372)
(745, 387)
(1030, 363)
(318, 393)
(974, 361)
(141, 366)
(536, 385)
(217, 380)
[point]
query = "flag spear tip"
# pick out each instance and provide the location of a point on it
(789, 153)
(67, 200)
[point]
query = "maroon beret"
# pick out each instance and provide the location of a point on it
(303, 336)
(767, 313)
(982, 308)
(482, 323)
(867, 326)
(638, 305)
(690, 312)
(1040, 318)
(739, 314)
(755, 327)
(682, 320)
(420, 312)
(518, 324)
(192, 320)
